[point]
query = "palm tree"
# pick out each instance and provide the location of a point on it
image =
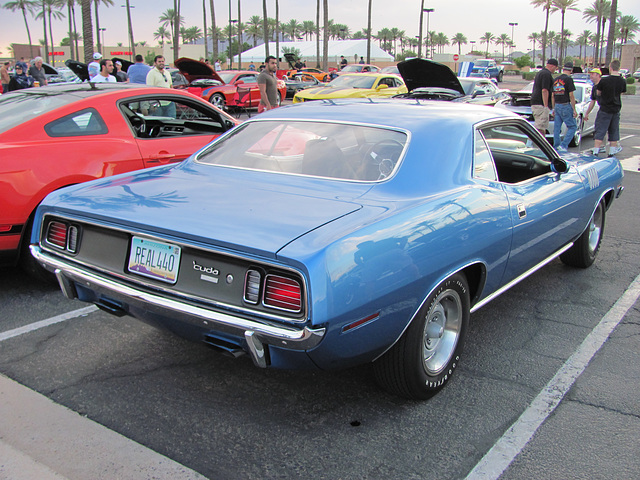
(204, 22)
(176, 30)
(87, 30)
(597, 12)
(73, 35)
(565, 41)
(48, 14)
(265, 28)
(583, 39)
(551, 39)
(441, 40)
(487, 38)
(161, 34)
(308, 28)
(503, 40)
(214, 30)
(253, 28)
(293, 29)
(369, 32)
(546, 5)
(325, 39)
(108, 3)
(459, 39)
(24, 6)
(130, 28)
(563, 6)
(611, 38)
(628, 26)
(395, 34)
(535, 38)
(191, 34)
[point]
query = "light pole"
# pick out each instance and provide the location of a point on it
(102, 30)
(422, 10)
(513, 25)
(428, 10)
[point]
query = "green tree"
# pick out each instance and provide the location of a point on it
(293, 29)
(583, 40)
(24, 6)
(523, 61)
(87, 30)
(253, 28)
(534, 38)
(598, 12)
(308, 28)
(459, 39)
(503, 40)
(161, 34)
(96, 3)
(487, 38)
(214, 30)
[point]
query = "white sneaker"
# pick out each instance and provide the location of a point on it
(595, 151)
(614, 150)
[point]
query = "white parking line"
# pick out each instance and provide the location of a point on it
(507, 448)
(45, 323)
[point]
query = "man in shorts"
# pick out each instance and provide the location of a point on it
(608, 90)
(541, 95)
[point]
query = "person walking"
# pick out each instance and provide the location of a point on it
(138, 71)
(541, 95)
(5, 77)
(564, 108)
(607, 121)
(268, 85)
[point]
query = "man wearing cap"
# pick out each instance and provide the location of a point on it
(121, 75)
(94, 67)
(595, 74)
(541, 95)
(564, 108)
(608, 90)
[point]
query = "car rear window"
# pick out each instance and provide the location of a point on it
(17, 107)
(318, 149)
(83, 122)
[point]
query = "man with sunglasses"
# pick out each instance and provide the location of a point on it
(158, 76)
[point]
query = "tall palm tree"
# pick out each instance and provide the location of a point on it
(176, 31)
(611, 38)
(628, 27)
(73, 35)
(24, 6)
(563, 6)
(253, 28)
(534, 38)
(369, 32)
(546, 5)
(597, 12)
(87, 30)
(204, 23)
(161, 34)
(325, 39)
(487, 38)
(47, 15)
(292, 29)
(583, 39)
(277, 30)
(459, 39)
(214, 30)
(132, 42)
(108, 3)
(265, 28)
(503, 40)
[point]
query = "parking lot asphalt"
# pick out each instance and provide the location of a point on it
(586, 423)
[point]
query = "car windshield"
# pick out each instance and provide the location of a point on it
(18, 106)
(227, 77)
(482, 63)
(317, 149)
(353, 81)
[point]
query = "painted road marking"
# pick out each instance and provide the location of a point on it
(45, 323)
(507, 448)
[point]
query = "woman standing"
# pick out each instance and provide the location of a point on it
(20, 79)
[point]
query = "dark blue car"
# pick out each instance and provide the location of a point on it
(333, 233)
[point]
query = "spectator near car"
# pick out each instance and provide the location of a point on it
(20, 78)
(94, 67)
(608, 119)
(564, 107)
(138, 71)
(37, 72)
(4, 75)
(106, 68)
(158, 76)
(541, 95)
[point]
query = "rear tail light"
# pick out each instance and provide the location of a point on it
(283, 293)
(62, 236)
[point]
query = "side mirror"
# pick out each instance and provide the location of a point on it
(239, 82)
(559, 166)
(382, 86)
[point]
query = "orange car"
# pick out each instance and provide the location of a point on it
(65, 134)
(319, 75)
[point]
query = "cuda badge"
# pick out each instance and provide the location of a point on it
(592, 177)
(522, 211)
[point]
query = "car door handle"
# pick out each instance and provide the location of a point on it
(161, 156)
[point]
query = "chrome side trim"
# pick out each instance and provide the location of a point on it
(259, 333)
(518, 279)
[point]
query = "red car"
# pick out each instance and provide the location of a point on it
(220, 88)
(64, 134)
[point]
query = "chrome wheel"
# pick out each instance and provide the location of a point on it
(595, 228)
(217, 100)
(442, 329)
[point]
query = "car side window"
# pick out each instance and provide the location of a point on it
(248, 78)
(516, 154)
(482, 161)
(80, 123)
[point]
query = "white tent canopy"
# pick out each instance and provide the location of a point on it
(349, 48)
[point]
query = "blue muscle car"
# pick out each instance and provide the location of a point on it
(333, 233)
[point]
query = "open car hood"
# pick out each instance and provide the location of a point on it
(195, 69)
(291, 60)
(421, 73)
(79, 68)
(49, 70)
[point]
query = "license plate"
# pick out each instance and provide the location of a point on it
(154, 259)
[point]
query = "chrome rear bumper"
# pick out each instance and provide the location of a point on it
(256, 333)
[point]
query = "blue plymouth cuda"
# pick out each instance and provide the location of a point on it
(333, 233)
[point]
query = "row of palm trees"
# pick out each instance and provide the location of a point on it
(258, 28)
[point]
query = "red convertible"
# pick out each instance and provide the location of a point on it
(221, 88)
(64, 134)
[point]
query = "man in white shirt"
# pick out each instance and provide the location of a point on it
(158, 76)
(94, 67)
(106, 68)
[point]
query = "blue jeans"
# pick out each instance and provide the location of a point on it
(563, 114)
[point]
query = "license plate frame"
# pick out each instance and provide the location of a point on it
(154, 259)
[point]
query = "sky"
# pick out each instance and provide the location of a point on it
(471, 17)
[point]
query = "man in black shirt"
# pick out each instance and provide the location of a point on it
(564, 108)
(608, 118)
(541, 95)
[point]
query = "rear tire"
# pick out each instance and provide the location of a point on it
(585, 250)
(424, 358)
(500, 77)
(29, 264)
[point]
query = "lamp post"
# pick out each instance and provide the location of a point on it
(422, 10)
(512, 25)
(428, 10)
(102, 30)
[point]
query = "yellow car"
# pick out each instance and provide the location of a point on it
(355, 85)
